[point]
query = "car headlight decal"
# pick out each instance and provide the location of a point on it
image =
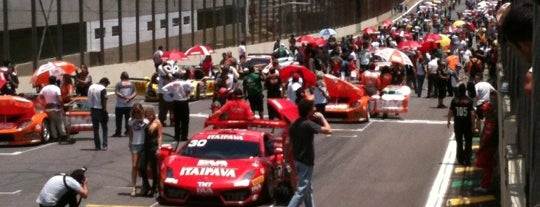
(245, 180)
(23, 124)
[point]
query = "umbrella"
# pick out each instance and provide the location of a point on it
(444, 41)
(432, 37)
(200, 50)
(327, 32)
(174, 55)
(387, 23)
(340, 88)
(319, 42)
(402, 33)
(55, 68)
(461, 23)
(307, 75)
(409, 45)
(369, 30)
(305, 39)
(394, 55)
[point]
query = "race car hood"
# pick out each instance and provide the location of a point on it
(287, 109)
(340, 89)
(188, 171)
(14, 105)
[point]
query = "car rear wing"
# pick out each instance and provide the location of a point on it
(262, 123)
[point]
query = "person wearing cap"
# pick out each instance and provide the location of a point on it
(97, 101)
(236, 108)
(62, 190)
(320, 93)
(179, 90)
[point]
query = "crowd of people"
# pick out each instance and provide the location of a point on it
(464, 67)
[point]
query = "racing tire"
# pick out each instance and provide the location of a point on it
(268, 190)
(45, 131)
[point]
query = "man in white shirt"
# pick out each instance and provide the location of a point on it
(432, 78)
(483, 96)
(242, 50)
(293, 87)
(50, 97)
(179, 90)
(61, 190)
(97, 101)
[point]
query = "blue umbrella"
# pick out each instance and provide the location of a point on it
(327, 32)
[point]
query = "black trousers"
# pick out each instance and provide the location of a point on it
(463, 134)
(181, 116)
(70, 198)
(149, 157)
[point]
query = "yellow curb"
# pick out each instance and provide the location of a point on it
(470, 200)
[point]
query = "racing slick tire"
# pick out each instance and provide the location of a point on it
(267, 194)
(45, 131)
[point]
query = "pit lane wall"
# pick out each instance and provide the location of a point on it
(217, 23)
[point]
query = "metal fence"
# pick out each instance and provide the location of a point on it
(523, 114)
(106, 32)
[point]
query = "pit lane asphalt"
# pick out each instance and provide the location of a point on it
(390, 162)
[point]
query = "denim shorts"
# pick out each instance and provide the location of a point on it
(137, 148)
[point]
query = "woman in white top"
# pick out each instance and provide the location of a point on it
(137, 127)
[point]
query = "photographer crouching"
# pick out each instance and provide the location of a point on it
(62, 189)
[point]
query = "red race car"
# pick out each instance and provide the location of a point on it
(228, 166)
(21, 123)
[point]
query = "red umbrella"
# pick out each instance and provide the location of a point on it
(307, 75)
(319, 42)
(401, 33)
(340, 88)
(200, 50)
(306, 39)
(369, 30)
(387, 23)
(409, 45)
(174, 55)
(55, 68)
(431, 37)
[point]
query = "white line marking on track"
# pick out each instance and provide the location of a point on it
(440, 185)
(412, 121)
(154, 204)
(21, 152)
(11, 193)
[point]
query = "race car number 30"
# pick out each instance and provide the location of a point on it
(197, 143)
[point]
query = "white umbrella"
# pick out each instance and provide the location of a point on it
(327, 32)
(394, 55)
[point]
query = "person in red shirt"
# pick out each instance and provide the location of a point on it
(385, 78)
(236, 108)
(369, 79)
(207, 64)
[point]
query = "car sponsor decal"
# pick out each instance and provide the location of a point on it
(225, 136)
(212, 163)
(258, 180)
(256, 188)
(171, 180)
(205, 191)
(197, 143)
(208, 171)
(7, 125)
(204, 184)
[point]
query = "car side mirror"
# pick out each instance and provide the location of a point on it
(165, 151)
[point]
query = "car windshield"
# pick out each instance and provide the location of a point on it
(220, 149)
